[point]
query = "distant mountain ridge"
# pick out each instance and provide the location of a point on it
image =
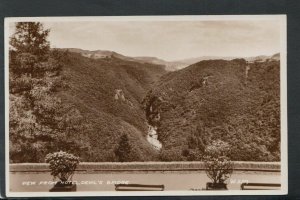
(186, 62)
(169, 65)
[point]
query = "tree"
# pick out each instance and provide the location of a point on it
(39, 122)
(30, 37)
(29, 49)
(123, 151)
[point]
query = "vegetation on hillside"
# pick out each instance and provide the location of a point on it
(39, 122)
(108, 92)
(100, 109)
(63, 101)
(232, 101)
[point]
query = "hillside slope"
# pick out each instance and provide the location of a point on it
(108, 92)
(100, 54)
(233, 101)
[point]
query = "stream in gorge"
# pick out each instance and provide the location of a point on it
(152, 137)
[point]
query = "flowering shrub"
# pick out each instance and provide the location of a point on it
(218, 166)
(62, 165)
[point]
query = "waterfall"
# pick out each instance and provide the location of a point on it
(152, 137)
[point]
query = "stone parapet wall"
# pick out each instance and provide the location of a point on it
(146, 166)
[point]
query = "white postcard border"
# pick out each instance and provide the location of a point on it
(283, 102)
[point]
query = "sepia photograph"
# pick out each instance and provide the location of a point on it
(146, 105)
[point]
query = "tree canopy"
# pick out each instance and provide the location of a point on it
(39, 122)
(31, 37)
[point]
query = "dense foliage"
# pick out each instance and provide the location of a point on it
(108, 92)
(232, 101)
(99, 109)
(39, 122)
(62, 165)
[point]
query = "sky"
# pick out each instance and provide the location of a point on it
(170, 40)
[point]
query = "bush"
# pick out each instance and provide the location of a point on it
(218, 166)
(62, 165)
(170, 155)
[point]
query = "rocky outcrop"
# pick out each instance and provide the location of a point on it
(119, 95)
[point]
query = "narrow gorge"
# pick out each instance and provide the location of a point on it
(152, 137)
